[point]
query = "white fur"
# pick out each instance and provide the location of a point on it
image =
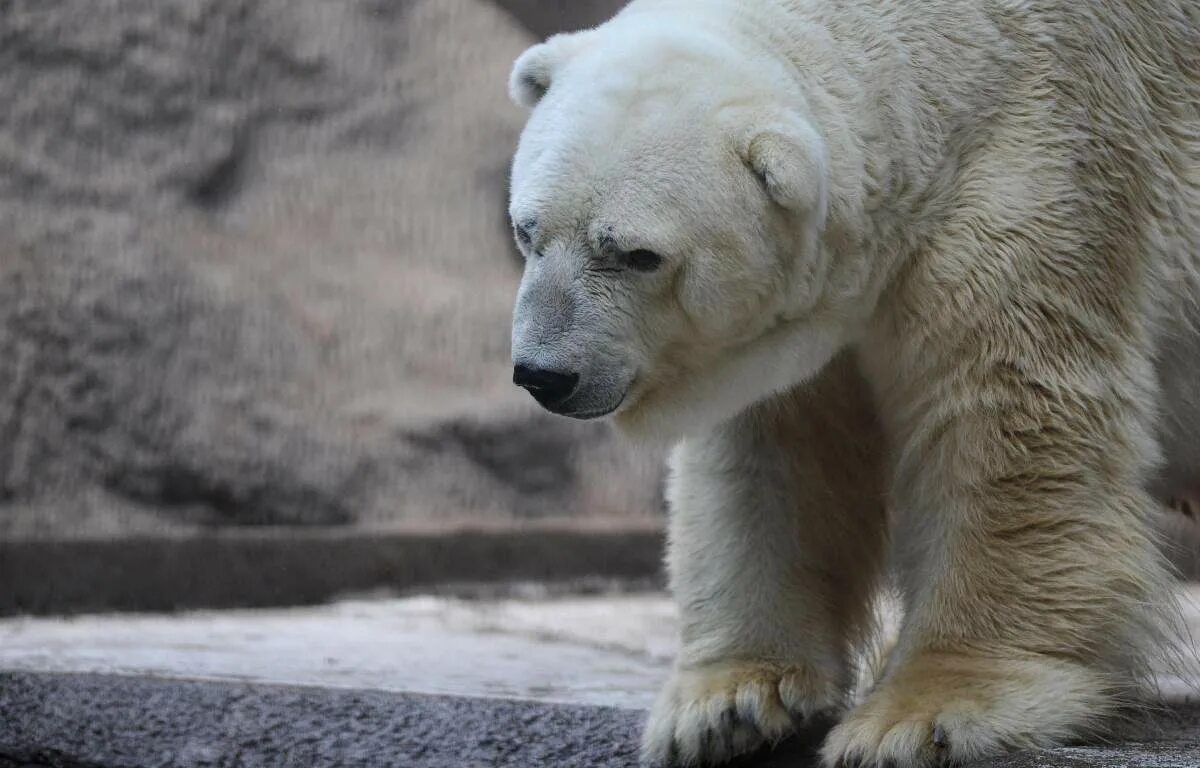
(939, 253)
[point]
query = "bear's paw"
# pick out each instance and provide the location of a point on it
(949, 708)
(712, 713)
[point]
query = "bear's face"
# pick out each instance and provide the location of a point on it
(669, 213)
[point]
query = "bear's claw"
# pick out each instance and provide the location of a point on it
(939, 737)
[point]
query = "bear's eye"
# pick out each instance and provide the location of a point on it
(523, 236)
(643, 260)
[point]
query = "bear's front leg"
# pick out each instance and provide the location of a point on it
(1023, 540)
(776, 540)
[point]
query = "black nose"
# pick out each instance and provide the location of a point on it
(547, 387)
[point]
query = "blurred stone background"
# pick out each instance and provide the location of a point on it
(255, 269)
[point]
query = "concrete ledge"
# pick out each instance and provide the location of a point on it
(89, 721)
(264, 567)
(257, 568)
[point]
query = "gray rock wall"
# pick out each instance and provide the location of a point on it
(255, 269)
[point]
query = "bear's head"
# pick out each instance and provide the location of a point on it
(668, 194)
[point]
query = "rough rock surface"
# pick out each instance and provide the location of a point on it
(255, 269)
(90, 721)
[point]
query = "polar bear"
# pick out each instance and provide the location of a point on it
(913, 287)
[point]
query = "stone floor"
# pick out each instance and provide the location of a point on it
(526, 679)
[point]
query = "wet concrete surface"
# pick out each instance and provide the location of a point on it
(613, 650)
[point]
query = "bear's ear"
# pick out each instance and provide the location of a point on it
(789, 159)
(534, 70)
